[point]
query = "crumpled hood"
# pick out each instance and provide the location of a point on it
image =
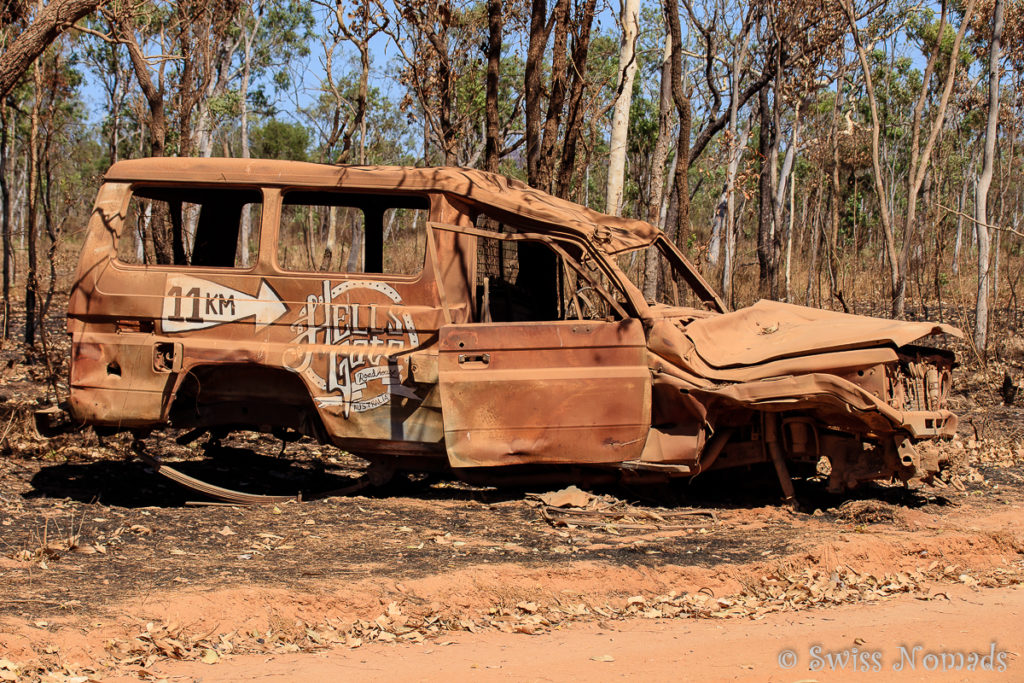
(770, 330)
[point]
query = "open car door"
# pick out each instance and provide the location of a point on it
(528, 390)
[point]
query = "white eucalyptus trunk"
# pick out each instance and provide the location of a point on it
(620, 115)
(985, 181)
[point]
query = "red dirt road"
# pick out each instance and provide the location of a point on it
(983, 622)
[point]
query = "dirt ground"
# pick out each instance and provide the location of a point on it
(888, 634)
(110, 572)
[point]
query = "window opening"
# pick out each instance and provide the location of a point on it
(674, 283)
(349, 233)
(577, 288)
(191, 227)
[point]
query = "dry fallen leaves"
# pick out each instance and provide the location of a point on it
(9, 671)
(784, 588)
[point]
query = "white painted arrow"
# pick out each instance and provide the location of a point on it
(191, 303)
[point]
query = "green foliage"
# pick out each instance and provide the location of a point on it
(280, 140)
(643, 121)
(283, 35)
(923, 27)
(224, 106)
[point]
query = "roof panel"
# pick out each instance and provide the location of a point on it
(485, 190)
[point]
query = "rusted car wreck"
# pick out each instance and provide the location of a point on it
(506, 337)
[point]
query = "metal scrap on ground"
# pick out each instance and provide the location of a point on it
(572, 506)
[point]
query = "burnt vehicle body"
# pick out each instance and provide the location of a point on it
(504, 336)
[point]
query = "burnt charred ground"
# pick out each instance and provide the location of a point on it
(63, 551)
(97, 581)
(86, 525)
(109, 526)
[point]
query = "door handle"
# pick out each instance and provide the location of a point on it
(474, 359)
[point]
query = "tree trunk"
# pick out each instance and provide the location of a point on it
(5, 220)
(813, 274)
(985, 181)
(532, 85)
(728, 263)
(357, 252)
(620, 115)
(718, 219)
(780, 239)
(163, 239)
(243, 100)
(52, 231)
(738, 143)
(682, 101)
(355, 261)
(995, 270)
(658, 160)
(492, 146)
(831, 257)
(958, 244)
(832, 243)
(52, 21)
(363, 94)
(765, 145)
(556, 98)
(789, 235)
(31, 280)
(574, 116)
(116, 100)
(435, 29)
(154, 97)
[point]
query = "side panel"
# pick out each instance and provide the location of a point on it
(544, 392)
(141, 333)
(347, 340)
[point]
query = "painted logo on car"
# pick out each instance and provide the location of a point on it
(364, 372)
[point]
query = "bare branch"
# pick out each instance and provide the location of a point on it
(972, 219)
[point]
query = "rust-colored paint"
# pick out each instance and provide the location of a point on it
(555, 392)
(412, 365)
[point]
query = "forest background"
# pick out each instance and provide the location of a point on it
(855, 155)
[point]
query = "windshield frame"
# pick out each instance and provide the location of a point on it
(678, 264)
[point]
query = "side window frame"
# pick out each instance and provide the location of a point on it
(430, 200)
(258, 231)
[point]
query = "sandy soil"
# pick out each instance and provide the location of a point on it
(860, 642)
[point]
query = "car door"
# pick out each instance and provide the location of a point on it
(565, 391)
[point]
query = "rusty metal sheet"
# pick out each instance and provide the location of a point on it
(845, 404)
(673, 352)
(610, 233)
(770, 330)
(552, 392)
(139, 332)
